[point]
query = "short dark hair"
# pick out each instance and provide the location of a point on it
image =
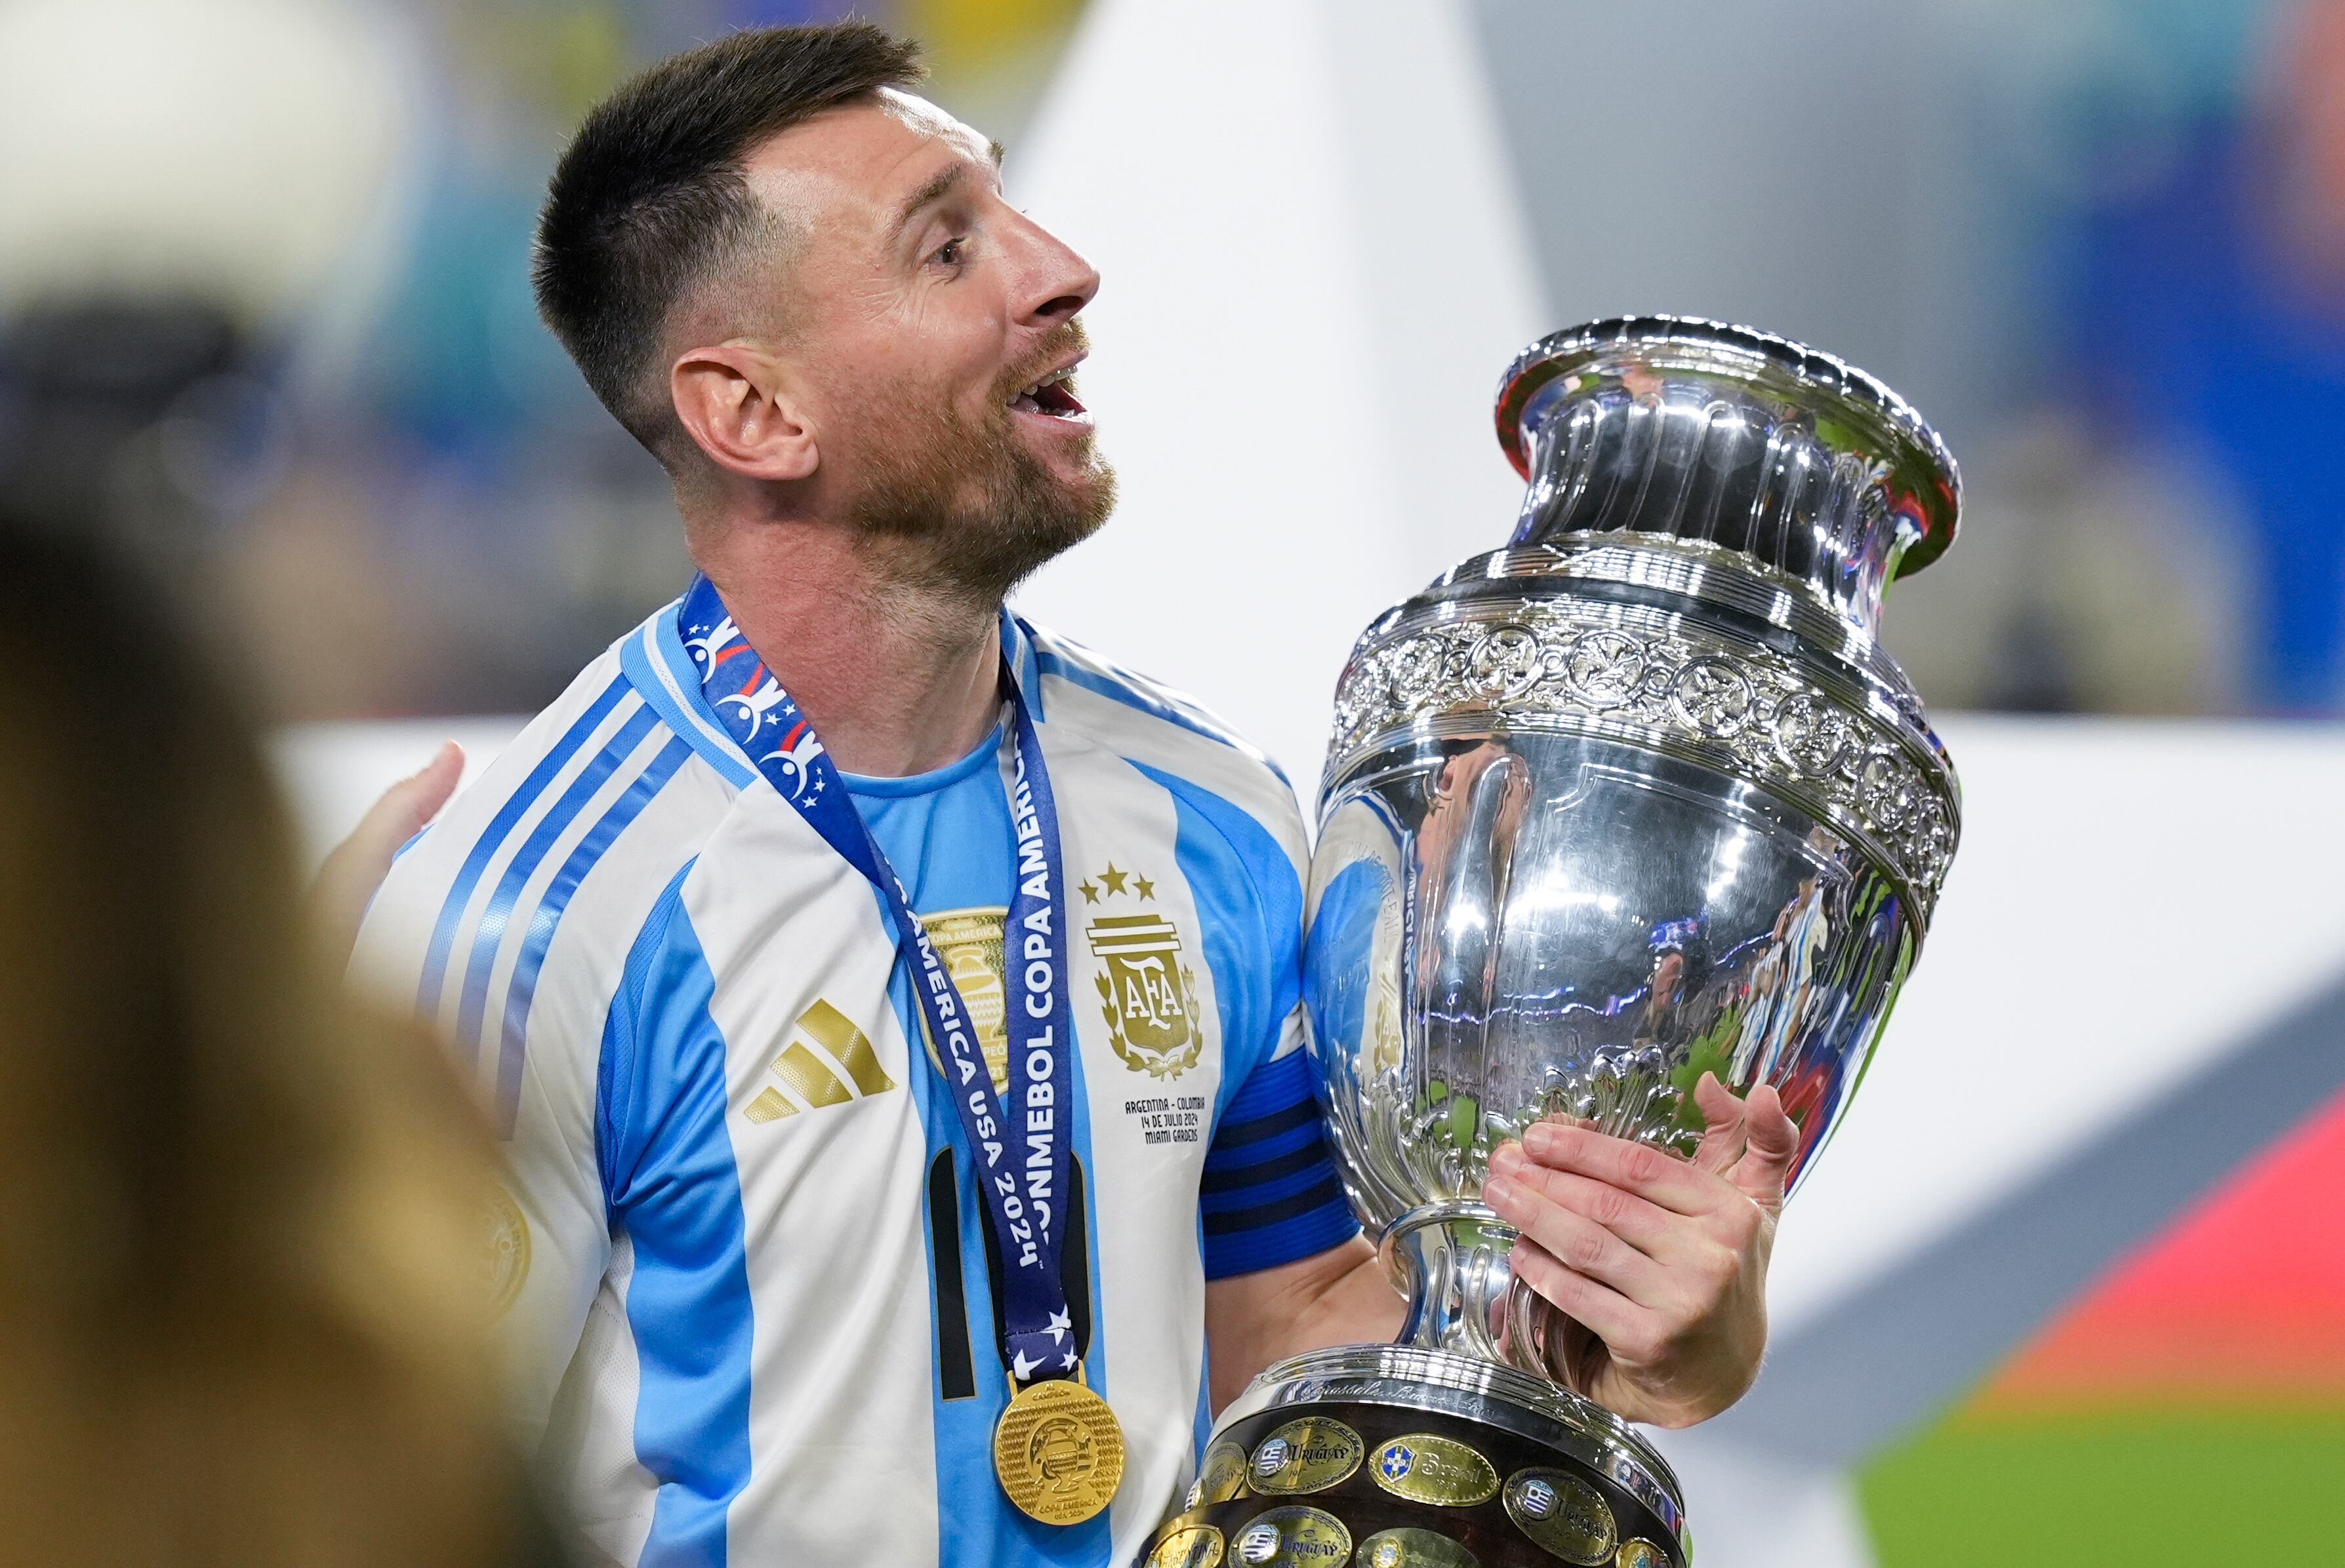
(650, 196)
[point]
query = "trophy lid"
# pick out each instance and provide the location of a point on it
(1725, 435)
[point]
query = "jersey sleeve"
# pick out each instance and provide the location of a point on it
(507, 928)
(1270, 1193)
(552, 1242)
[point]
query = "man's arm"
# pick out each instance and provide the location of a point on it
(1661, 1264)
(1341, 1297)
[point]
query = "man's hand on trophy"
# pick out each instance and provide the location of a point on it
(1660, 1262)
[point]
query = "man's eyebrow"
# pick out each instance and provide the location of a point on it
(935, 189)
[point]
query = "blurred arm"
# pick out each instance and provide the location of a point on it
(346, 881)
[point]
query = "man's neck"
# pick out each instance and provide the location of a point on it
(897, 679)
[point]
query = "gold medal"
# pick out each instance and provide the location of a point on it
(1058, 1452)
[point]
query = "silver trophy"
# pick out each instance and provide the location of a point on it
(1638, 797)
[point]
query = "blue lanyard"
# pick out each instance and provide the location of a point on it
(1019, 1145)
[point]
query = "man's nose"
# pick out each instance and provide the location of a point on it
(1058, 281)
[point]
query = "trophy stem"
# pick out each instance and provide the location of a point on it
(1452, 1262)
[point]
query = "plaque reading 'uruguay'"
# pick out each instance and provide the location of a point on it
(1294, 1538)
(1307, 1455)
(1562, 1513)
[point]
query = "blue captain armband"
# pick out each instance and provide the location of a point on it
(1270, 1194)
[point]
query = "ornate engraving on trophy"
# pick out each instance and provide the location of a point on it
(1604, 667)
(1769, 717)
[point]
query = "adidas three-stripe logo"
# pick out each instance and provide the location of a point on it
(819, 1076)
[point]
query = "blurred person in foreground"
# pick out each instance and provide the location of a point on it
(891, 1008)
(243, 1310)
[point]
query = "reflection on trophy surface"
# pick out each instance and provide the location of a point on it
(1637, 797)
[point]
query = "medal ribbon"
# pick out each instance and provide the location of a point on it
(1019, 1146)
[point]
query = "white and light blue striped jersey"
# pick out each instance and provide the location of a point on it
(752, 1299)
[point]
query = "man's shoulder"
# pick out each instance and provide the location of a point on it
(582, 822)
(1168, 734)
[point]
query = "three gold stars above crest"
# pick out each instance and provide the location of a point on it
(1112, 881)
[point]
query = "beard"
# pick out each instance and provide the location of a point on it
(963, 509)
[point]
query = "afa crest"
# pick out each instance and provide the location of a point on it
(1148, 995)
(507, 1248)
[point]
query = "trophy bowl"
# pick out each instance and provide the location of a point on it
(1637, 797)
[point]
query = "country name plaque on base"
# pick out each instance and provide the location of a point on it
(1637, 797)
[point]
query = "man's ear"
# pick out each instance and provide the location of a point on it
(740, 406)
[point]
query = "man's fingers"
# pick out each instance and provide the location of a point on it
(1725, 1136)
(347, 881)
(1625, 1328)
(1774, 1142)
(407, 806)
(1575, 1241)
(1657, 1232)
(1662, 1179)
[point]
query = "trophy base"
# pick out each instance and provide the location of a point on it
(1387, 1456)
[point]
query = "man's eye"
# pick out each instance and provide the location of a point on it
(949, 252)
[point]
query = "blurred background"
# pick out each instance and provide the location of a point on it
(265, 314)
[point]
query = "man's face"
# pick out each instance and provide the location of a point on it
(921, 311)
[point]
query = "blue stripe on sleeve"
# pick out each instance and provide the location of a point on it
(670, 1179)
(489, 935)
(492, 838)
(1270, 1194)
(521, 990)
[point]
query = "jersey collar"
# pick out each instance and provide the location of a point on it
(656, 665)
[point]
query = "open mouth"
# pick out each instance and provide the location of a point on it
(1054, 397)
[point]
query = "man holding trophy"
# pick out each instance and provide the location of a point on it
(918, 1080)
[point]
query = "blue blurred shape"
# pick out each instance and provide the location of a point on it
(2188, 324)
